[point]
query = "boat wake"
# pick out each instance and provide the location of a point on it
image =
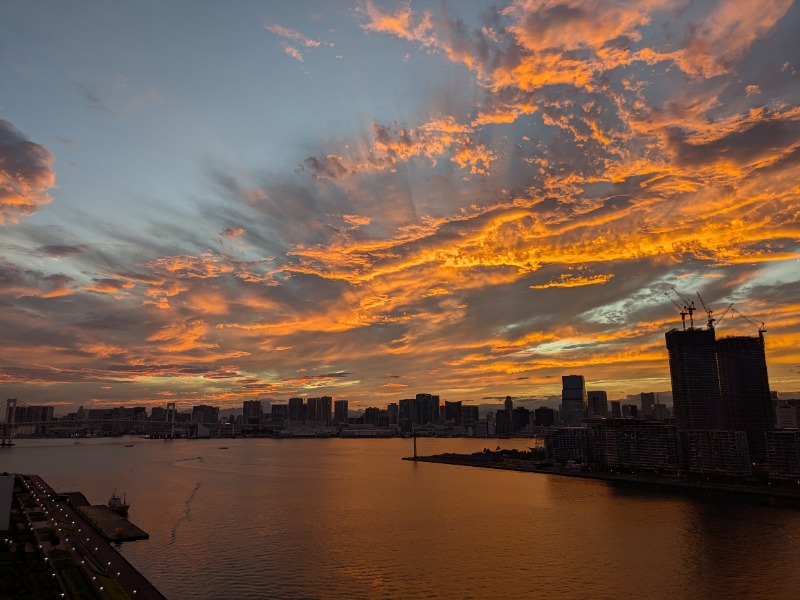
(185, 517)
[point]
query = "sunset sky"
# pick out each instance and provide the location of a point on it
(208, 202)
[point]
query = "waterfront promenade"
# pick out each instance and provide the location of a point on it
(87, 545)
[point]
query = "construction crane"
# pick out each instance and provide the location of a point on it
(709, 312)
(688, 305)
(760, 325)
(724, 312)
(681, 309)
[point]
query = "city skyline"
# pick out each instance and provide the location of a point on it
(364, 200)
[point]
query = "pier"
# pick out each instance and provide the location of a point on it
(84, 536)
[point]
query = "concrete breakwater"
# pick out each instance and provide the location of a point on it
(764, 495)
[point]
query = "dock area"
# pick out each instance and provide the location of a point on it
(111, 525)
(81, 545)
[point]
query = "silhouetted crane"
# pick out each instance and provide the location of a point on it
(709, 312)
(724, 312)
(683, 312)
(688, 305)
(760, 325)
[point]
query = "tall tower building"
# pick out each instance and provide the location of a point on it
(744, 387)
(573, 399)
(695, 379)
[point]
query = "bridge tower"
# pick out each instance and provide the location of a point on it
(171, 410)
(8, 426)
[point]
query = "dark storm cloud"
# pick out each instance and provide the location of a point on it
(771, 138)
(26, 174)
(59, 250)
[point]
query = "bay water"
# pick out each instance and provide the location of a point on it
(347, 518)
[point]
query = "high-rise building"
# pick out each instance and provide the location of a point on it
(408, 414)
(428, 408)
(202, 413)
(573, 399)
(392, 410)
(744, 388)
(452, 411)
(251, 412)
(318, 411)
(279, 413)
(340, 412)
(545, 417)
(597, 404)
(296, 410)
(695, 379)
(503, 423)
(469, 415)
(520, 418)
(616, 409)
(647, 400)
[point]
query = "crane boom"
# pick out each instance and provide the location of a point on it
(724, 312)
(680, 308)
(709, 312)
(760, 325)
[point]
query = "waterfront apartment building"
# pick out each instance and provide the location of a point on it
(636, 443)
(568, 444)
(719, 452)
(695, 379)
(783, 454)
(573, 399)
(744, 388)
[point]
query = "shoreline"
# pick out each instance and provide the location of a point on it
(762, 496)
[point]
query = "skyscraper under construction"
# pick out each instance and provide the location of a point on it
(744, 388)
(721, 385)
(695, 379)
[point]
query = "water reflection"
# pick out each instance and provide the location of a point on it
(349, 519)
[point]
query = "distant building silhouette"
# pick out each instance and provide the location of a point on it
(573, 399)
(469, 416)
(647, 401)
(252, 412)
(340, 412)
(597, 404)
(544, 416)
(452, 412)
